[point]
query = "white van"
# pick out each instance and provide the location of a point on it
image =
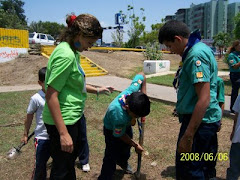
(43, 39)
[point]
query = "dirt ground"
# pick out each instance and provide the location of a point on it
(23, 70)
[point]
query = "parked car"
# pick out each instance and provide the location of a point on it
(43, 39)
(140, 47)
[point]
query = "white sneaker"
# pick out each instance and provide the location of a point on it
(86, 167)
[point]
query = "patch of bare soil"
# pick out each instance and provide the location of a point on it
(120, 63)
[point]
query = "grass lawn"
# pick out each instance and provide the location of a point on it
(167, 80)
(161, 133)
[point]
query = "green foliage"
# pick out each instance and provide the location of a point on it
(237, 26)
(222, 41)
(153, 51)
(152, 36)
(136, 26)
(47, 27)
(11, 14)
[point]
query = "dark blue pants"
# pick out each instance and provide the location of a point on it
(235, 80)
(63, 164)
(233, 172)
(42, 155)
(84, 148)
(205, 141)
(116, 152)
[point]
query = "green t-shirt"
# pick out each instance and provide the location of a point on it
(116, 117)
(66, 76)
(199, 66)
(220, 90)
(233, 58)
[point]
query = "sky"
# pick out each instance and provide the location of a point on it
(104, 10)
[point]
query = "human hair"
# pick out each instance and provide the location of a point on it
(171, 29)
(234, 44)
(139, 104)
(85, 24)
(41, 74)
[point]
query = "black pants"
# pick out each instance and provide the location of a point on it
(63, 162)
(84, 148)
(116, 152)
(204, 142)
(235, 80)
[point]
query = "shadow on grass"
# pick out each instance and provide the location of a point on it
(169, 172)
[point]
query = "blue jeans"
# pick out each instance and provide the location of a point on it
(233, 172)
(42, 155)
(205, 141)
(84, 149)
(235, 80)
(116, 152)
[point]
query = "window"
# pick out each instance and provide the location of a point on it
(31, 35)
(43, 36)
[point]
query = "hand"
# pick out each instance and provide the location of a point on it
(231, 136)
(219, 128)
(139, 149)
(106, 90)
(66, 143)
(24, 139)
(185, 144)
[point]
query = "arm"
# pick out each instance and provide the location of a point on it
(125, 138)
(54, 107)
(234, 126)
(236, 66)
(144, 84)
(27, 125)
(203, 93)
(100, 90)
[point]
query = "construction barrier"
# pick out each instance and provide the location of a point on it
(13, 42)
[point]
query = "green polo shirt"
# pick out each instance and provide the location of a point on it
(116, 118)
(220, 90)
(65, 76)
(233, 58)
(198, 66)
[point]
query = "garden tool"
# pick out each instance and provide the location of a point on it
(14, 152)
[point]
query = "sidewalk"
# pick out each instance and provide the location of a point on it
(158, 92)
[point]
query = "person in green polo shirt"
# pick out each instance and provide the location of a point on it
(120, 116)
(197, 105)
(234, 66)
(66, 92)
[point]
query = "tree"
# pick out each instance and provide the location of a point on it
(47, 27)
(12, 14)
(117, 37)
(136, 26)
(14, 7)
(221, 40)
(151, 37)
(237, 26)
(10, 21)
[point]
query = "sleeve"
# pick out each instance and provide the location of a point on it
(231, 60)
(199, 70)
(32, 106)
(59, 72)
(221, 96)
(236, 106)
(136, 83)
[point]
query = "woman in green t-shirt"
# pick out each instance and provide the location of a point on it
(66, 91)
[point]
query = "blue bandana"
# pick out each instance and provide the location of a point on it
(193, 39)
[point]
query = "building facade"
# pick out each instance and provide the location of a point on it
(211, 17)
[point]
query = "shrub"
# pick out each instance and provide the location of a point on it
(153, 51)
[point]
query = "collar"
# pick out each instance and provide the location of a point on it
(41, 93)
(122, 101)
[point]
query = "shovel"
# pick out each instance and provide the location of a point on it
(141, 135)
(14, 152)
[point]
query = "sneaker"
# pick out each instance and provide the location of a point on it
(86, 168)
(126, 168)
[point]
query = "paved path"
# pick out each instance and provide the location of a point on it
(162, 93)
